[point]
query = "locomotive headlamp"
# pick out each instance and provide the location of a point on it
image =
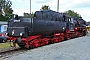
(63, 28)
(6, 33)
(21, 34)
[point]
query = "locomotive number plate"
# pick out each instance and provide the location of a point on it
(16, 20)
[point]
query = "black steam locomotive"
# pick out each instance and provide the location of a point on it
(45, 26)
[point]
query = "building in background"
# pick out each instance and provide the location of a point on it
(3, 26)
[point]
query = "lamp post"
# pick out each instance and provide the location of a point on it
(30, 6)
(57, 5)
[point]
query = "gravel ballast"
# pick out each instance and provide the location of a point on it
(74, 49)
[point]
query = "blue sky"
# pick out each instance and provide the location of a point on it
(82, 7)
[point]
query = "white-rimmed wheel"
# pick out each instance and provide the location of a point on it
(21, 45)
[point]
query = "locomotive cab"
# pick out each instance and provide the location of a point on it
(70, 23)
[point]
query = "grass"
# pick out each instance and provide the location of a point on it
(4, 45)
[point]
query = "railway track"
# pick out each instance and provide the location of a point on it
(5, 53)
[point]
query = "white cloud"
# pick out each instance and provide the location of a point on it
(80, 6)
(20, 11)
(21, 0)
(42, 1)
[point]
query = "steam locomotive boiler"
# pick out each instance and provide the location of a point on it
(45, 27)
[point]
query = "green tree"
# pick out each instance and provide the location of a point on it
(45, 7)
(72, 13)
(6, 11)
